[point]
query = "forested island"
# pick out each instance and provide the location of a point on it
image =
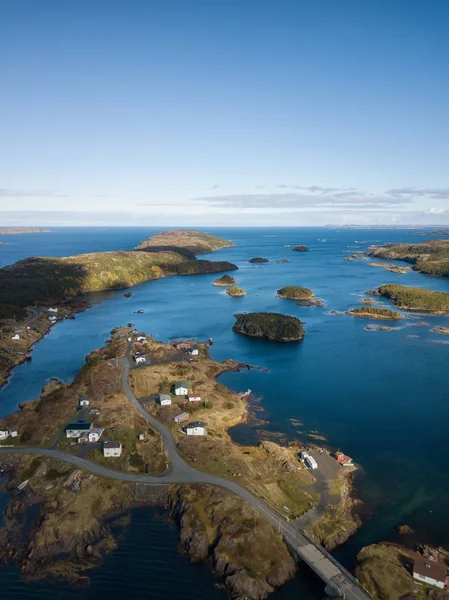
(430, 258)
(374, 312)
(302, 295)
(225, 281)
(272, 326)
(235, 291)
(414, 298)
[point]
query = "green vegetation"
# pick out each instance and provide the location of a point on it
(294, 292)
(40, 279)
(225, 281)
(193, 241)
(235, 291)
(198, 267)
(375, 313)
(431, 258)
(414, 298)
(273, 326)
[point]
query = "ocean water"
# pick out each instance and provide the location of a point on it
(382, 397)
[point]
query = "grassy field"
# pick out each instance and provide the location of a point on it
(414, 298)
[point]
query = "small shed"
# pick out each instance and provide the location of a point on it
(196, 428)
(141, 437)
(16, 337)
(84, 401)
(95, 434)
(141, 338)
(430, 571)
(194, 398)
(164, 399)
(112, 449)
(13, 432)
(181, 388)
(182, 417)
(52, 310)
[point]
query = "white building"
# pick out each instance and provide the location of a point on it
(194, 398)
(164, 399)
(4, 433)
(84, 401)
(52, 310)
(181, 388)
(311, 462)
(75, 430)
(95, 434)
(429, 571)
(194, 352)
(141, 437)
(196, 428)
(303, 455)
(113, 449)
(141, 338)
(16, 337)
(13, 432)
(52, 319)
(182, 417)
(140, 359)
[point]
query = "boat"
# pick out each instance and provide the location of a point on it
(128, 295)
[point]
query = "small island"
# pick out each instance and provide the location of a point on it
(224, 281)
(389, 267)
(300, 249)
(304, 296)
(430, 258)
(374, 312)
(235, 292)
(414, 298)
(259, 260)
(271, 326)
(179, 240)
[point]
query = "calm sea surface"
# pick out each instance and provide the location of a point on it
(382, 397)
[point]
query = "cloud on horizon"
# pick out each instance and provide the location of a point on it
(7, 193)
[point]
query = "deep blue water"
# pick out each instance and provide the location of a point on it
(380, 396)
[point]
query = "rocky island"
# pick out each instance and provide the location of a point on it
(271, 326)
(225, 281)
(430, 258)
(304, 296)
(414, 298)
(77, 509)
(259, 260)
(300, 249)
(235, 292)
(178, 240)
(374, 312)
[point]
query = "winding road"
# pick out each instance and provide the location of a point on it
(306, 547)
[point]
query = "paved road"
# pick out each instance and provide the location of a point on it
(327, 568)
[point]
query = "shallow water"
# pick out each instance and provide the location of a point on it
(380, 396)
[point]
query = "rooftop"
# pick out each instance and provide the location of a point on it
(196, 424)
(430, 568)
(78, 426)
(181, 383)
(112, 444)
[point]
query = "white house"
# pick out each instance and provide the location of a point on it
(95, 434)
(141, 338)
(194, 352)
(141, 437)
(52, 319)
(4, 433)
(16, 337)
(194, 398)
(84, 401)
(139, 359)
(75, 430)
(113, 449)
(182, 417)
(52, 310)
(13, 432)
(164, 399)
(181, 388)
(196, 428)
(429, 571)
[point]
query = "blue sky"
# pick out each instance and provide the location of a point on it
(214, 112)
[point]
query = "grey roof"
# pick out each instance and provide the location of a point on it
(78, 427)
(84, 398)
(112, 444)
(98, 430)
(181, 383)
(164, 397)
(196, 424)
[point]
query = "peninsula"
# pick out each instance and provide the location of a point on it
(18, 230)
(430, 258)
(271, 326)
(31, 286)
(414, 298)
(373, 312)
(174, 392)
